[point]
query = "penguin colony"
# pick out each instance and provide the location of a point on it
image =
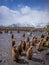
(28, 45)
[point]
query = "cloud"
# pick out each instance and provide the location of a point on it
(24, 15)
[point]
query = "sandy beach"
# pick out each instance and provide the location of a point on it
(39, 58)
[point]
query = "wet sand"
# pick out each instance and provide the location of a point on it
(39, 58)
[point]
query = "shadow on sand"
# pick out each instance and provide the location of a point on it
(22, 61)
(37, 60)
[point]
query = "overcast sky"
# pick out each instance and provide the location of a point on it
(33, 12)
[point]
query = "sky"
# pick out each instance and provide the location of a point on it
(32, 12)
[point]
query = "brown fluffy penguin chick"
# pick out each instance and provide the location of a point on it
(23, 45)
(47, 38)
(34, 40)
(13, 43)
(48, 33)
(20, 47)
(24, 35)
(47, 41)
(15, 54)
(42, 36)
(0, 32)
(27, 45)
(12, 36)
(41, 39)
(28, 40)
(44, 42)
(39, 46)
(29, 52)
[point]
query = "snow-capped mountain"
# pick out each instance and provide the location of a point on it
(25, 25)
(21, 25)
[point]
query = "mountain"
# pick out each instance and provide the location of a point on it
(28, 25)
(21, 25)
(25, 25)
